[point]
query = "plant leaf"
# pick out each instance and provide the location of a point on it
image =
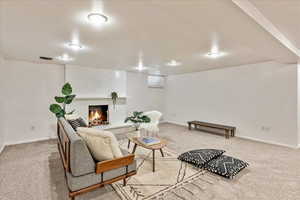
(61, 114)
(114, 95)
(127, 119)
(69, 99)
(59, 99)
(70, 113)
(67, 89)
(55, 108)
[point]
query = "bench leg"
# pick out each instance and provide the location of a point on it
(190, 126)
(124, 182)
(227, 133)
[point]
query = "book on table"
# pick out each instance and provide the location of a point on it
(149, 140)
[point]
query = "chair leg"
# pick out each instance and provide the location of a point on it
(72, 197)
(128, 144)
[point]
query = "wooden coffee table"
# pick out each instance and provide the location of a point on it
(154, 147)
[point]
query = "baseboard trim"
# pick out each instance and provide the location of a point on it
(176, 123)
(267, 142)
(246, 137)
(30, 141)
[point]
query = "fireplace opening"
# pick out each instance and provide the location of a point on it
(98, 115)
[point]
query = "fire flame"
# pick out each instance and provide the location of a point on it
(95, 115)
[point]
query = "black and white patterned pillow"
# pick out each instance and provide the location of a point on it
(75, 123)
(200, 156)
(225, 166)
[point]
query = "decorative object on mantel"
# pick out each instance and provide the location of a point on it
(66, 99)
(137, 118)
(114, 97)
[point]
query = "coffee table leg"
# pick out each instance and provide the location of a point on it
(153, 160)
(128, 144)
(134, 148)
(162, 153)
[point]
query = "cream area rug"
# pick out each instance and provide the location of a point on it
(172, 179)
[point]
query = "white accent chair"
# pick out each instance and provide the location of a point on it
(152, 127)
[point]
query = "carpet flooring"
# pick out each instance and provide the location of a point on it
(172, 180)
(34, 171)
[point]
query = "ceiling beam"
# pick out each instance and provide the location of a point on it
(255, 14)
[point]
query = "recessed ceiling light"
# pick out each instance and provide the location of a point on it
(173, 63)
(97, 18)
(214, 54)
(74, 46)
(65, 58)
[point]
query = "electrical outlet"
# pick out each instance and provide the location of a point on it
(265, 128)
(32, 128)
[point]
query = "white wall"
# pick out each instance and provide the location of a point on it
(2, 139)
(142, 98)
(248, 97)
(94, 82)
(298, 101)
(28, 91)
(260, 100)
(100, 83)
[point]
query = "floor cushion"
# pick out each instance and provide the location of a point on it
(200, 156)
(102, 144)
(225, 166)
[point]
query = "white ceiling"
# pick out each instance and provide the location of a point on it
(184, 30)
(284, 14)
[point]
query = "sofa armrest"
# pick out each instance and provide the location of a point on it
(113, 164)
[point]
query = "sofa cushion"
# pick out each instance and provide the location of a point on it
(102, 144)
(77, 183)
(81, 160)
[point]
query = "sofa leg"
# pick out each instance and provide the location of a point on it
(124, 182)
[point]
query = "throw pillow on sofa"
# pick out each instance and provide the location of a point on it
(200, 156)
(75, 121)
(102, 144)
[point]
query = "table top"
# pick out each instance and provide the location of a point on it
(161, 145)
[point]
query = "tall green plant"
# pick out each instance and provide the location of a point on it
(67, 98)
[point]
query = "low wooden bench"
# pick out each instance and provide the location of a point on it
(229, 130)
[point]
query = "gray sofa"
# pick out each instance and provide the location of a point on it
(82, 172)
